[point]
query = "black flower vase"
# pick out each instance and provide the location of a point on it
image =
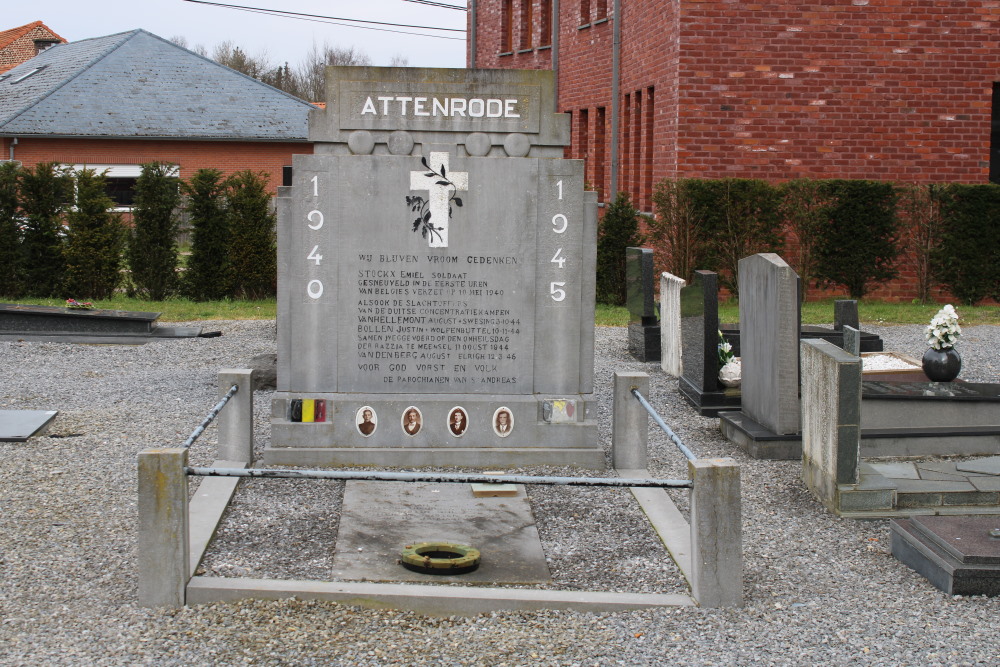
(942, 365)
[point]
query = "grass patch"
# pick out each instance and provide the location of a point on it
(611, 316)
(813, 312)
(821, 312)
(879, 312)
(181, 310)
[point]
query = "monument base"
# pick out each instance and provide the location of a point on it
(543, 430)
(644, 341)
(710, 403)
(956, 554)
(758, 441)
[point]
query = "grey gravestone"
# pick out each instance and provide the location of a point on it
(769, 336)
(643, 326)
(670, 323)
(852, 340)
(831, 419)
(845, 313)
(436, 254)
(768, 424)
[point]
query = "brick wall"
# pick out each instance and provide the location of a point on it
(23, 48)
(862, 89)
(188, 155)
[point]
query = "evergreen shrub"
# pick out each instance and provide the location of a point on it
(11, 268)
(44, 192)
(618, 229)
(967, 257)
(95, 240)
(152, 245)
(252, 251)
(858, 242)
(207, 275)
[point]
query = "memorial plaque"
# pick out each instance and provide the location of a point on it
(436, 250)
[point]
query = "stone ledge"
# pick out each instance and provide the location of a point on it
(430, 600)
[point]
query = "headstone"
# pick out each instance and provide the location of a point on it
(670, 323)
(845, 313)
(643, 326)
(699, 316)
(852, 340)
(437, 254)
(831, 419)
(769, 334)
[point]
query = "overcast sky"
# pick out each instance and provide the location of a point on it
(284, 39)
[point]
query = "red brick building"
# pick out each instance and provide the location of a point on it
(113, 103)
(24, 43)
(865, 89)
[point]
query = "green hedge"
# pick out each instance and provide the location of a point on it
(966, 257)
(850, 233)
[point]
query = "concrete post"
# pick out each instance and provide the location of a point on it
(629, 422)
(163, 527)
(716, 533)
(236, 419)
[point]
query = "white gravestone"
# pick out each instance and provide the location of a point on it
(436, 254)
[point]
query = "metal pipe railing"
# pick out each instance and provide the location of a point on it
(460, 478)
(666, 429)
(211, 416)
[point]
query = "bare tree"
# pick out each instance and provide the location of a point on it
(181, 41)
(311, 71)
(399, 60)
(232, 56)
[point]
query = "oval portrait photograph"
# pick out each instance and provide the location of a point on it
(412, 420)
(458, 421)
(503, 422)
(366, 420)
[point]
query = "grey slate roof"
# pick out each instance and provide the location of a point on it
(137, 85)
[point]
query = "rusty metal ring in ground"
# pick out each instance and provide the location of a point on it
(440, 558)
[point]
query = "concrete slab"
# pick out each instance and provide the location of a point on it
(19, 425)
(932, 486)
(987, 466)
(430, 600)
(378, 519)
(985, 483)
(902, 470)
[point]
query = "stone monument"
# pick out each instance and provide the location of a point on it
(768, 426)
(436, 277)
(643, 325)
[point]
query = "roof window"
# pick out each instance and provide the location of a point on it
(28, 73)
(42, 44)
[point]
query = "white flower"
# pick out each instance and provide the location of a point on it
(944, 329)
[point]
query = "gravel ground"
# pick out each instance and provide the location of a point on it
(818, 589)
